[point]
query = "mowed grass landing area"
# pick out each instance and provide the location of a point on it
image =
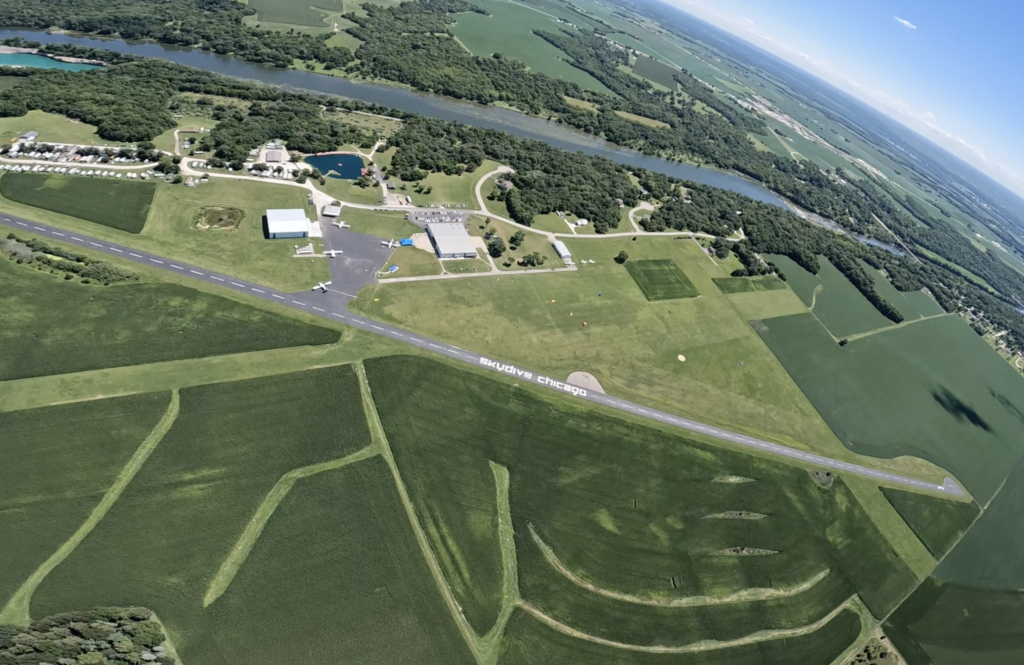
(50, 326)
(52, 128)
(661, 279)
(932, 389)
(165, 540)
(616, 525)
(380, 223)
(749, 284)
(119, 204)
(509, 31)
(59, 461)
(629, 344)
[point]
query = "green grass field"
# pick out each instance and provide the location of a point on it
(661, 279)
(52, 128)
(832, 298)
(731, 285)
(532, 243)
(938, 523)
(931, 389)
(445, 189)
(655, 71)
(346, 190)
(50, 326)
(165, 141)
(165, 539)
(411, 262)
(380, 223)
(119, 204)
(624, 508)
(58, 462)
(509, 30)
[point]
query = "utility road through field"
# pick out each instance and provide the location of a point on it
(331, 306)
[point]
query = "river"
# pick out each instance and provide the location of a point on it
(433, 106)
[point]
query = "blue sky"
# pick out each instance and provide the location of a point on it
(951, 70)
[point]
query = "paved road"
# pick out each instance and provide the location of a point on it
(331, 305)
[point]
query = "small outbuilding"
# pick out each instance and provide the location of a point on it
(451, 240)
(29, 136)
(332, 211)
(287, 223)
(275, 157)
(561, 250)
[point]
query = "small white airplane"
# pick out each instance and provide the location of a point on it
(331, 253)
(341, 225)
(390, 244)
(322, 286)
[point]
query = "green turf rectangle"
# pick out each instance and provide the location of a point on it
(119, 204)
(661, 279)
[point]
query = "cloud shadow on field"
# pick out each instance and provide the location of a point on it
(1008, 405)
(957, 408)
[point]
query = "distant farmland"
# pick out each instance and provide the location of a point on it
(932, 389)
(119, 204)
(656, 71)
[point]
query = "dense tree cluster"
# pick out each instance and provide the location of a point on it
(103, 636)
(36, 253)
(212, 25)
(546, 179)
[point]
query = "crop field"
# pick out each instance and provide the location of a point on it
(349, 582)
(529, 641)
(509, 30)
(119, 204)
(50, 326)
(655, 71)
(661, 279)
(58, 462)
(832, 298)
(619, 527)
(938, 523)
(911, 304)
(629, 344)
(931, 389)
(949, 624)
(749, 284)
(165, 540)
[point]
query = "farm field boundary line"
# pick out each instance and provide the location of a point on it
(240, 552)
(380, 440)
(747, 595)
(16, 611)
(309, 304)
(698, 647)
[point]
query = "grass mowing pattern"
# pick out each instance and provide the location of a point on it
(529, 641)
(947, 624)
(835, 301)
(54, 327)
(623, 507)
(119, 204)
(749, 284)
(933, 390)
(654, 70)
(937, 522)
(661, 279)
(58, 462)
(341, 549)
(166, 537)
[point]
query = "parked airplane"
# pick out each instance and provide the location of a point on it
(390, 244)
(322, 286)
(331, 253)
(341, 225)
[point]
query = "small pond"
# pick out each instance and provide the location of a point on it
(344, 166)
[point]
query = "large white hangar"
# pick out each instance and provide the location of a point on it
(451, 240)
(287, 223)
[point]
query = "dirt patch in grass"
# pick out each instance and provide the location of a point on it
(219, 218)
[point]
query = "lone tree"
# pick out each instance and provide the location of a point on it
(622, 257)
(496, 246)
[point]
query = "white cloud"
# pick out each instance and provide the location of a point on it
(905, 22)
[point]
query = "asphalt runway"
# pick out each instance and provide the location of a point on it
(332, 305)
